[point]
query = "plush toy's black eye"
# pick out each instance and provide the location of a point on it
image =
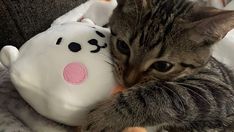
(123, 47)
(74, 47)
(59, 41)
(162, 66)
(100, 34)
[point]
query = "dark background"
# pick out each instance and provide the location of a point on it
(22, 19)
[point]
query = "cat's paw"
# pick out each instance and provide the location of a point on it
(100, 119)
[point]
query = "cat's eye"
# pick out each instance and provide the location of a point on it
(123, 47)
(162, 66)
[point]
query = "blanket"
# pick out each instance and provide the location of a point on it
(8, 122)
(17, 116)
(22, 19)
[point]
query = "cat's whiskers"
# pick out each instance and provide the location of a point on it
(109, 60)
(177, 97)
(183, 85)
(109, 63)
(108, 56)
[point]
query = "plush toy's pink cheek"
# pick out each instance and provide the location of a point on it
(75, 73)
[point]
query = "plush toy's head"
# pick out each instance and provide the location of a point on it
(63, 71)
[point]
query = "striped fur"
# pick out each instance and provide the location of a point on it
(195, 94)
(197, 102)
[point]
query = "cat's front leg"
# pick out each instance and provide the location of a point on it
(101, 119)
(135, 107)
(177, 103)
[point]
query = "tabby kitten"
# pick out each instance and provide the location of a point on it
(162, 54)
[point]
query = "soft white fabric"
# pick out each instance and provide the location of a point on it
(224, 49)
(1, 66)
(10, 56)
(216, 3)
(98, 11)
(229, 6)
(37, 69)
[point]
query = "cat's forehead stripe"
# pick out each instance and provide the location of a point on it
(158, 31)
(162, 51)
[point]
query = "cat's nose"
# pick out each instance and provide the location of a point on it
(131, 78)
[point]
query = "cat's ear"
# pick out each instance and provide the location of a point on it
(127, 5)
(210, 25)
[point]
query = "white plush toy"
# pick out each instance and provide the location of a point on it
(63, 71)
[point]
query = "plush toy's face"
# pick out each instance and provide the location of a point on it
(64, 71)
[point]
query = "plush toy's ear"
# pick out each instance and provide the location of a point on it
(74, 15)
(100, 11)
(86, 20)
(8, 55)
(209, 25)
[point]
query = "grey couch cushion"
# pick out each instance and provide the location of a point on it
(22, 19)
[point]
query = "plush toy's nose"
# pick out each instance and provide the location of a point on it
(75, 73)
